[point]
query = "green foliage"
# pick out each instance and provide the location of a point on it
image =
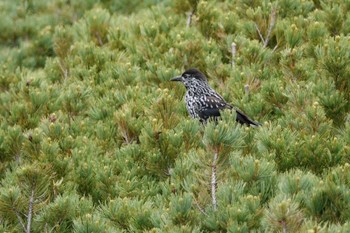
(329, 201)
(239, 212)
(208, 19)
(125, 214)
(258, 176)
(283, 215)
(225, 133)
(333, 60)
(58, 216)
(94, 137)
(24, 193)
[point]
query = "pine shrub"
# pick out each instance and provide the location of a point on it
(95, 138)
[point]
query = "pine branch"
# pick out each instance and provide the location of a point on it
(213, 180)
(272, 24)
(126, 137)
(19, 218)
(233, 51)
(259, 32)
(199, 207)
(63, 69)
(99, 39)
(18, 158)
(30, 211)
(246, 89)
(189, 18)
(284, 229)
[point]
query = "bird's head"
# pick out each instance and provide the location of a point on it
(191, 78)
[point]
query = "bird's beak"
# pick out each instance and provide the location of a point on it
(176, 79)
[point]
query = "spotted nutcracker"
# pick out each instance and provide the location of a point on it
(203, 102)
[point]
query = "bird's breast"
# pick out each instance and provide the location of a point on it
(191, 104)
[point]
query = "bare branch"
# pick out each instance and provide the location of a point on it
(63, 69)
(213, 181)
(274, 49)
(199, 207)
(189, 18)
(18, 157)
(284, 227)
(19, 218)
(99, 39)
(233, 51)
(246, 89)
(30, 211)
(271, 25)
(260, 35)
(126, 136)
(269, 30)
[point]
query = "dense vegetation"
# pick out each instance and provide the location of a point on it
(94, 137)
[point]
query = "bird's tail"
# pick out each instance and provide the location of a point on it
(244, 119)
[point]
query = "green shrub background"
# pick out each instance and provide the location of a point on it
(93, 131)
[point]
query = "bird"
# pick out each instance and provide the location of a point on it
(203, 102)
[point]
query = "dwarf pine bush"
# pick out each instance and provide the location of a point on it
(94, 137)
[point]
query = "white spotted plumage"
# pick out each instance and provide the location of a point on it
(202, 101)
(199, 96)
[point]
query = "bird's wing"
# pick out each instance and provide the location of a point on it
(211, 106)
(244, 119)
